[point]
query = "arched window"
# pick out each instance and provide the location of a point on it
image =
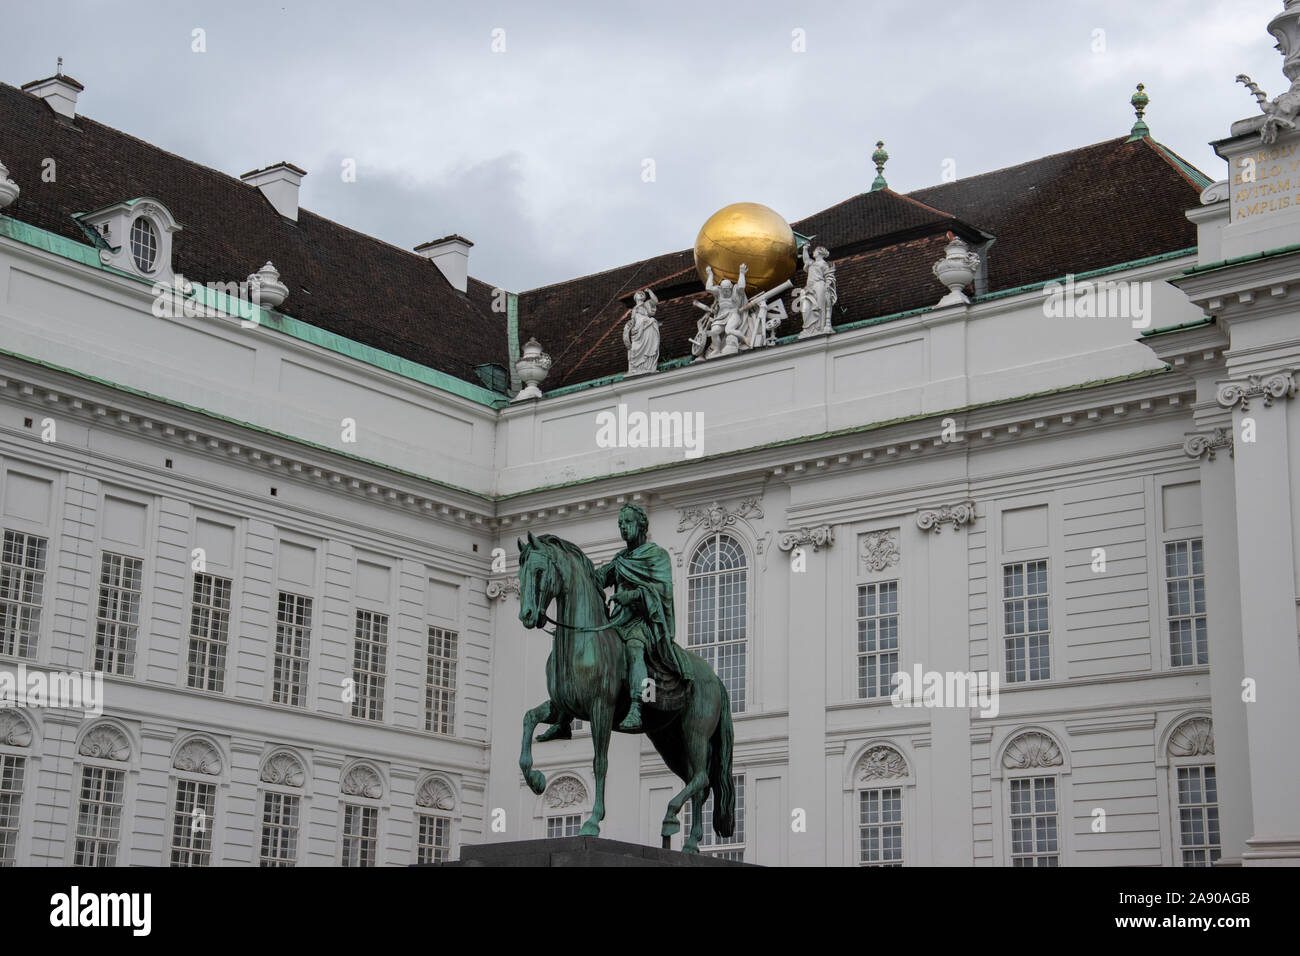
(144, 244)
(1195, 792)
(565, 802)
(197, 767)
(879, 781)
(435, 808)
(104, 753)
(283, 779)
(16, 733)
(717, 611)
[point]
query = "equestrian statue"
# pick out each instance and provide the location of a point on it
(617, 666)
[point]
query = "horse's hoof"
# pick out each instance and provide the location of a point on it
(589, 829)
(690, 847)
(669, 828)
(536, 782)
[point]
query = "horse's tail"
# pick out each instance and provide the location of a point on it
(724, 788)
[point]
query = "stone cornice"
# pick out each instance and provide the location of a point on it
(254, 450)
(933, 519)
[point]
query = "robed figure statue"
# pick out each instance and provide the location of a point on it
(614, 662)
(642, 577)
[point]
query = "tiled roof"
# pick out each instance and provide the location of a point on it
(1089, 208)
(339, 280)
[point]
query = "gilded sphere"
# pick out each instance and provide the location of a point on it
(750, 233)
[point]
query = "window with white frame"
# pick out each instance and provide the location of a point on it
(1185, 595)
(292, 650)
(880, 826)
(117, 620)
(369, 665)
(360, 835)
(433, 838)
(22, 591)
(563, 825)
(144, 244)
(440, 681)
(1034, 821)
(877, 638)
(1198, 815)
(717, 611)
(193, 813)
(12, 770)
(99, 816)
(1026, 631)
(280, 816)
(209, 632)
(727, 848)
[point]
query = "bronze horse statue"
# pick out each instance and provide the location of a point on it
(587, 679)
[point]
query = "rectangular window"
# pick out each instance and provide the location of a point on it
(563, 826)
(196, 805)
(11, 803)
(440, 682)
(1198, 815)
(280, 813)
(1024, 615)
(1185, 591)
(360, 835)
(22, 591)
(1034, 822)
(369, 663)
(292, 650)
(434, 843)
(209, 632)
(728, 848)
(877, 638)
(99, 817)
(117, 621)
(880, 827)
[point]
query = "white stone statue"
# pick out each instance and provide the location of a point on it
(641, 334)
(818, 296)
(724, 320)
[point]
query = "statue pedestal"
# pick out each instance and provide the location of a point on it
(579, 851)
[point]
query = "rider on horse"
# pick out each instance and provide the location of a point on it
(642, 575)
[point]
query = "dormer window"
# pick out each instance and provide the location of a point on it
(144, 244)
(134, 237)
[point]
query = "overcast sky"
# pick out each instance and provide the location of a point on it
(538, 154)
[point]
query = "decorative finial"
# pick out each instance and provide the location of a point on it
(58, 70)
(879, 157)
(1139, 101)
(532, 367)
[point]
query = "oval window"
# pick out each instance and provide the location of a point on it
(144, 244)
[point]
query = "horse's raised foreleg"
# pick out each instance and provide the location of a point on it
(602, 724)
(545, 712)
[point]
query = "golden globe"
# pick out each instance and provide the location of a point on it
(751, 233)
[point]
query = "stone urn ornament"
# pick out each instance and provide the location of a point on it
(956, 270)
(8, 188)
(268, 290)
(532, 368)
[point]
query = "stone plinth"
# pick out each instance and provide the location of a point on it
(579, 851)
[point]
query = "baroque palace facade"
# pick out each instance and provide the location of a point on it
(277, 530)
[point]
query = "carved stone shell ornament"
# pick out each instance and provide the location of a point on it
(1032, 750)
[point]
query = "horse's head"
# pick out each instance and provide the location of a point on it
(539, 580)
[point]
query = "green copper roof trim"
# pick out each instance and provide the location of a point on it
(1203, 181)
(1238, 260)
(1181, 327)
(1139, 130)
(512, 337)
(225, 419)
(294, 328)
(852, 430)
(1104, 270)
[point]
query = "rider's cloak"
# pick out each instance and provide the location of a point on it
(648, 571)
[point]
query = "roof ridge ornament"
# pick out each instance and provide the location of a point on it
(1139, 101)
(879, 157)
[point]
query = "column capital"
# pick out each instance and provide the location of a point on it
(1270, 385)
(933, 519)
(819, 536)
(1203, 444)
(497, 588)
